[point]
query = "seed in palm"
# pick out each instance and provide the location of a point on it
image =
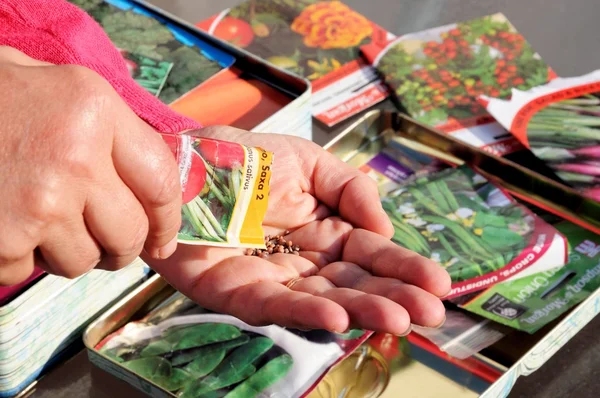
(275, 244)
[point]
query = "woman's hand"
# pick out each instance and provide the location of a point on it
(85, 182)
(348, 274)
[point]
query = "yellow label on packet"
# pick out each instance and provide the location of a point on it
(252, 231)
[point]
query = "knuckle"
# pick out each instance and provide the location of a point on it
(132, 247)
(167, 179)
(44, 203)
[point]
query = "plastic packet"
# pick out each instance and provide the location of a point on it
(225, 191)
(530, 300)
(560, 123)
(479, 234)
(463, 335)
(188, 351)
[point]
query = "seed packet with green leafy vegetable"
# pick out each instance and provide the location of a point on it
(149, 73)
(560, 123)
(472, 228)
(137, 30)
(530, 300)
(188, 351)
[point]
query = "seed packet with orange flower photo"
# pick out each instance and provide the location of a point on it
(319, 40)
(437, 75)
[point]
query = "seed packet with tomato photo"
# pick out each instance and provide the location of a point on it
(319, 40)
(148, 72)
(560, 123)
(479, 234)
(437, 75)
(225, 191)
(187, 351)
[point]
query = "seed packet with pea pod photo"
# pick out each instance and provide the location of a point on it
(436, 76)
(472, 228)
(225, 191)
(187, 351)
(560, 123)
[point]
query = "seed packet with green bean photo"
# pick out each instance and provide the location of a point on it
(225, 191)
(472, 228)
(188, 351)
(529, 301)
(560, 123)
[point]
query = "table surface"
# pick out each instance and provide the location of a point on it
(565, 33)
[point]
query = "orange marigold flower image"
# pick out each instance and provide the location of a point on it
(332, 24)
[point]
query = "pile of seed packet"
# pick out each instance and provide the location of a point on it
(40, 320)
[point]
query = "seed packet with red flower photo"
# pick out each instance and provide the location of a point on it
(437, 75)
(319, 40)
(560, 123)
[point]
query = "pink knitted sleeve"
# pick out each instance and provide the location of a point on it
(60, 33)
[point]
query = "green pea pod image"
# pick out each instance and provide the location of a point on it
(265, 377)
(201, 334)
(411, 233)
(178, 379)
(187, 356)
(206, 363)
(158, 347)
(243, 356)
(151, 368)
(202, 387)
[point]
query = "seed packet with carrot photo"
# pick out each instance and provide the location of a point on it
(560, 123)
(317, 39)
(187, 351)
(472, 228)
(437, 75)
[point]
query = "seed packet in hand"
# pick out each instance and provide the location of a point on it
(560, 123)
(148, 72)
(188, 351)
(529, 301)
(225, 191)
(472, 228)
(437, 75)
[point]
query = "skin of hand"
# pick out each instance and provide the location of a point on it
(353, 275)
(85, 182)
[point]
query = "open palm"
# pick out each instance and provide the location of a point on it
(349, 273)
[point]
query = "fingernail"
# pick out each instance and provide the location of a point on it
(406, 333)
(441, 324)
(168, 249)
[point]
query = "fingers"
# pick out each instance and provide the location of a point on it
(117, 222)
(367, 311)
(382, 257)
(270, 302)
(147, 166)
(351, 192)
(15, 271)
(68, 249)
(424, 308)
(322, 242)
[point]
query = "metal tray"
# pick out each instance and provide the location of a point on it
(365, 138)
